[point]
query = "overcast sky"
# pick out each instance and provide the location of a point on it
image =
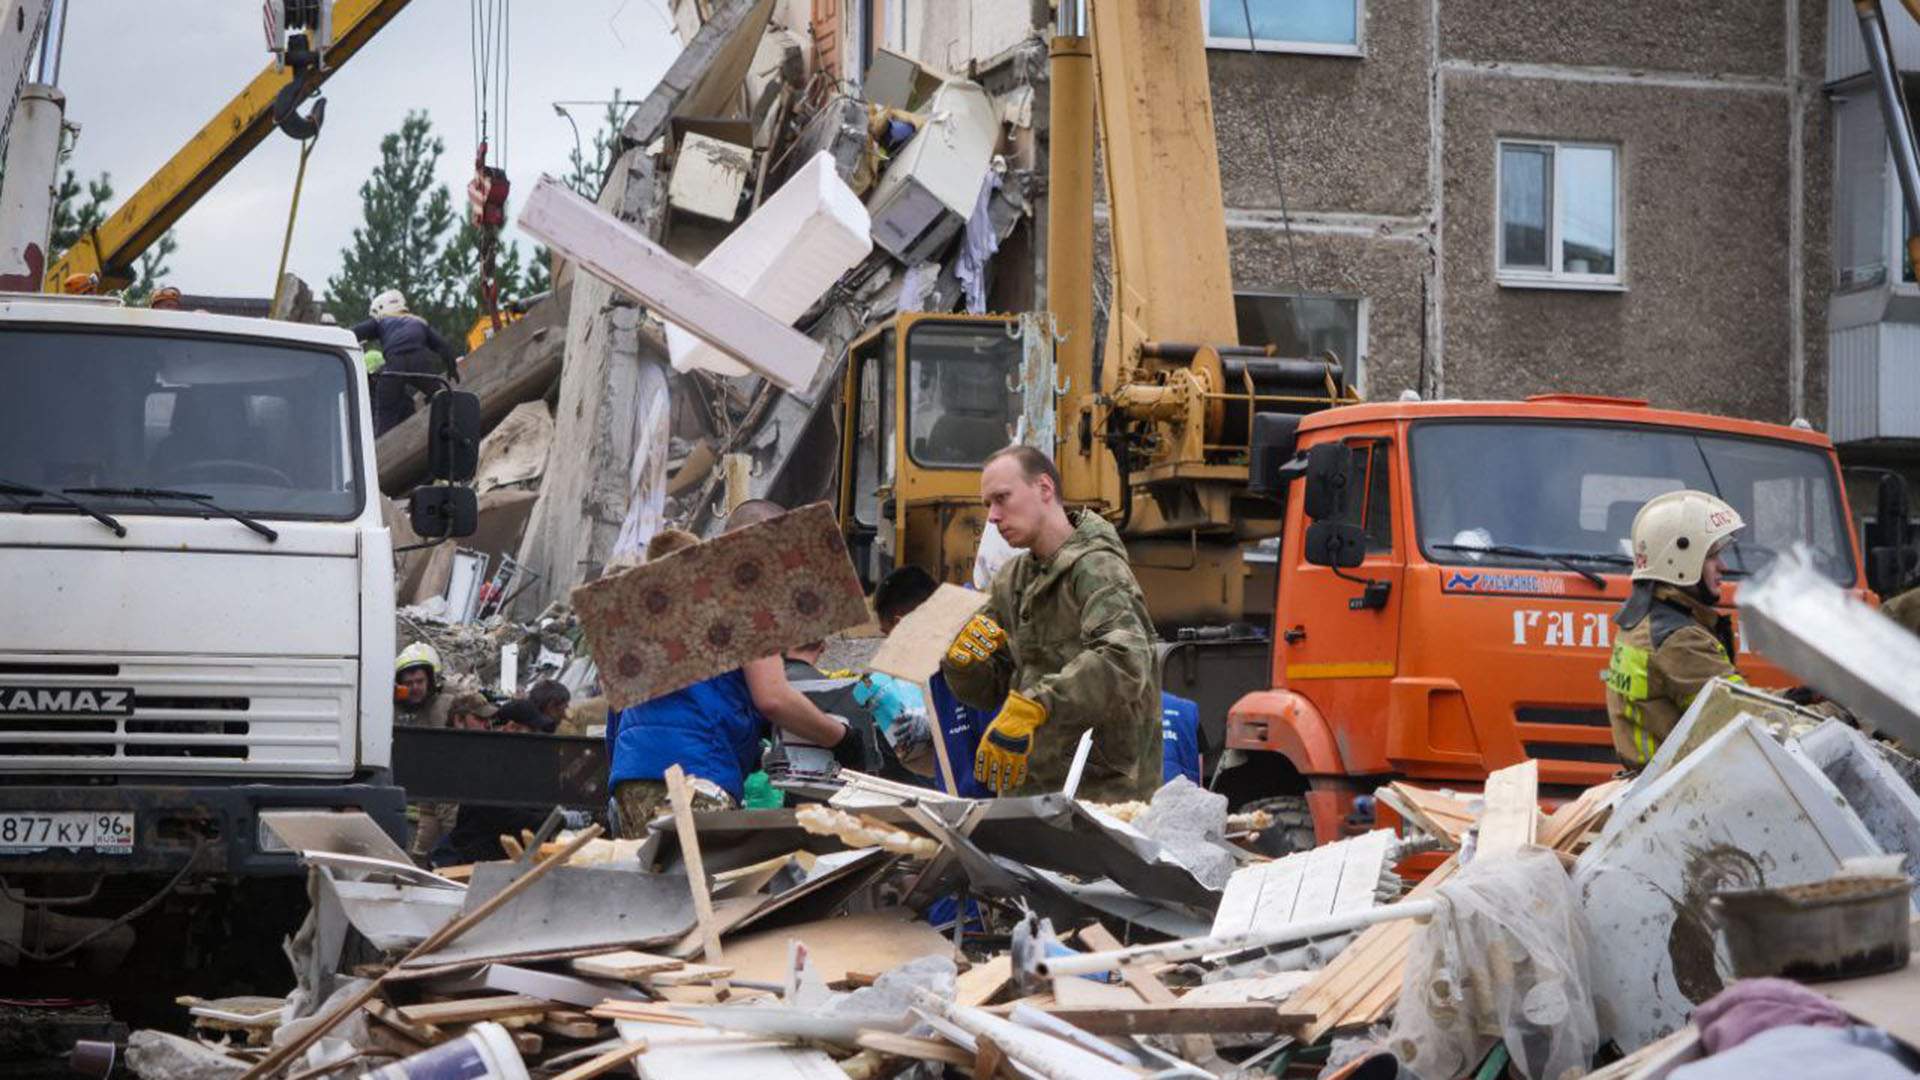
(141, 78)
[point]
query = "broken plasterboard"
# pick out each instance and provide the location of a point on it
(913, 651)
(709, 609)
(1798, 618)
(1332, 879)
(708, 176)
(621, 255)
(783, 258)
(1886, 804)
(350, 833)
(393, 916)
(1740, 812)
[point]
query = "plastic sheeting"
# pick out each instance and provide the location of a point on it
(1505, 958)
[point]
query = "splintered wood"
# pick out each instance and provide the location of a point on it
(1435, 813)
(1361, 984)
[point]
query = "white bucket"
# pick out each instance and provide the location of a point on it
(485, 1052)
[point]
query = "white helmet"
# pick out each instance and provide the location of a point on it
(418, 654)
(1675, 533)
(387, 304)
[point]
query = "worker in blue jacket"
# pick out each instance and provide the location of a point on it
(712, 729)
(1180, 734)
(408, 344)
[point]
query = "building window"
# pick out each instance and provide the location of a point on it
(1302, 26)
(1559, 207)
(1307, 326)
(1860, 192)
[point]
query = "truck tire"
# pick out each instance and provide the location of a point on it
(1292, 828)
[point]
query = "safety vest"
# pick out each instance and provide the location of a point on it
(1668, 648)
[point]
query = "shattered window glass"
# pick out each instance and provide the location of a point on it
(257, 428)
(963, 395)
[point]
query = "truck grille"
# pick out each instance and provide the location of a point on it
(1565, 733)
(196, 715)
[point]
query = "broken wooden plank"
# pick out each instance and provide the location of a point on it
(424, 1034)
(1566, 828)
(1195, 1047)
(1438, 815)
(625, 965)
(688, 974)
(982, 983)
(907, 1046)
(621, 255)
(872, 941)
(914, 650)
(606, 1062)
(474, 1010)
(682, 798)
(568, 1024)
(1511, 818)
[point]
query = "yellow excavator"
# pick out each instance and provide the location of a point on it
(1157, 435)
(311, 40)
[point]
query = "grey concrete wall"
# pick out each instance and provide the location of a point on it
(1729, 37)
(1388, 273)
(1351, 132)
(1703, 322)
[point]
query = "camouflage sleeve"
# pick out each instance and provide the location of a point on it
(1905, 610)
(1686, 662)
(984, 685)
(1115, 665)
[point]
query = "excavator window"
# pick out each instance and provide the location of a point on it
(962, 392)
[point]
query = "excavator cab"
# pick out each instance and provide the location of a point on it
(928, 398)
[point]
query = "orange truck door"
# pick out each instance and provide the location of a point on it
(1336, 637)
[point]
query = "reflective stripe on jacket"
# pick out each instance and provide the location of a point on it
(1669, 647)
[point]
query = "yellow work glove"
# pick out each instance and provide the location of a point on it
(979, 639)
(1001, 761)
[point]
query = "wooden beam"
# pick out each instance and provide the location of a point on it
(1511, 819)
(682, 797)
(1196, 1048)
(606, 1062)
(626, 965)
(1175, 1018)
(474, 1010)
(618, 253)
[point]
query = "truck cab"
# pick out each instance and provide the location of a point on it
(199, 588)
(1467, 624)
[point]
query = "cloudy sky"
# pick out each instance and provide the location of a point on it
(141, 78)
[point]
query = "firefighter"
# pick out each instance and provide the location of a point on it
(420, 700)
(1671, 641)
(1063, 646)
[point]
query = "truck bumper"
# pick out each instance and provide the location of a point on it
(170, 821)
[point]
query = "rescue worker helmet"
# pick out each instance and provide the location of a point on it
(1675, 533)
(418, 654)
(388, 304)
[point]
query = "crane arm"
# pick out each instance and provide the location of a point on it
(112, 249)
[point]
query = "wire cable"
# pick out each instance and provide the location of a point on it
(1279, 184)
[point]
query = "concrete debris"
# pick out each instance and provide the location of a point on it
(1190, 822)
(155, 1055)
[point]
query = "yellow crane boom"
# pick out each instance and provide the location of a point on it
(111, 249)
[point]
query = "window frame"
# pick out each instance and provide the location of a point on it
(1357, 363)
(1285, 45)
(1552, 276)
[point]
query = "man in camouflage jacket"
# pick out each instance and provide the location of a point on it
(1063, 646)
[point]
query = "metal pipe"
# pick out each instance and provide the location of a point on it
(1185, 351)
(1071, 18)
(1893, 105)
(1194, 948)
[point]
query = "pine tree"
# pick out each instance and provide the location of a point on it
(588, 175)
(79, 209)
(403, 239)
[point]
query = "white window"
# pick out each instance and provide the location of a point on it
(1307, 326)
(1302, 26)
(1861, 193)
(1559, 215)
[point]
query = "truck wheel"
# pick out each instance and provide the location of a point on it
(1292, 828)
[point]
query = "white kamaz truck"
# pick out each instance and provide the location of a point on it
(196, 625)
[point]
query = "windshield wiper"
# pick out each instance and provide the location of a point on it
(157, 494)
(12, 488)
(1565, 559)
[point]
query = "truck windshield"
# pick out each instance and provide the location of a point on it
(1573, 490)
(257, 428)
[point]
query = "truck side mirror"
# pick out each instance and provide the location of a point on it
(1890, 537)
(443, 513)
(1329, 471)
(1330, 543)
(1269, 454)
(453, 436)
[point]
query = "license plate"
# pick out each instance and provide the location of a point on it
(105, 832)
